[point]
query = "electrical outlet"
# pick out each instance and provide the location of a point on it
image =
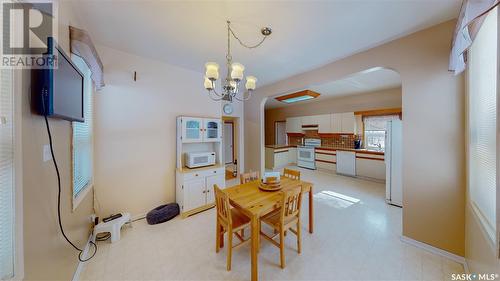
(47, 156)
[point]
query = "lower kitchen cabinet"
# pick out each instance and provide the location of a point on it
(370, 166)
(195, 188)
(277, 158)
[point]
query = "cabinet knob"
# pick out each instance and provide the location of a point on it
(195, 175)
(215, 172)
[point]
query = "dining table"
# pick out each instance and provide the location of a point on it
(255, 203)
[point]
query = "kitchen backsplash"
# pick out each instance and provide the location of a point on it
(340, 141)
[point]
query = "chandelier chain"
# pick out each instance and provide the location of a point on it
(241, 42)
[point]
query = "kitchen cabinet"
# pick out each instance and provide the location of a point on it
(326, 159)
(195, 129)
(308, 120)
(192, 129)
(212, 131)
(292, 155)
(294, 125)
(195, 188)
(370, 166)
(348, 123)
(324, 123)
(346, 163)
(277, 158)
(336, 123)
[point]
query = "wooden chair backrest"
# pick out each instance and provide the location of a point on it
(291, 203)
(248, 177)
(222, 205)
(292, 174)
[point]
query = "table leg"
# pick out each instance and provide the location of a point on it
(255, 247)
(311, 211)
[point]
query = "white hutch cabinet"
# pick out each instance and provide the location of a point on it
(194, 190)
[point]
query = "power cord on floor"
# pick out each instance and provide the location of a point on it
(59, 189)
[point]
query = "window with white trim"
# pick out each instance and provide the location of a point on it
(375, 129)
(83, 139)
(482, 124)
(7, 208)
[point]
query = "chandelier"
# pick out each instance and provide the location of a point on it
(231, 84)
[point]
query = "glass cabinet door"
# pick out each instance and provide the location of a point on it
(191, 129)
(212, 130)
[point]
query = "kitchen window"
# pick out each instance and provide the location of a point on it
(83, 140)
(375, 129)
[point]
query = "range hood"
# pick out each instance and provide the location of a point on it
(312, 127)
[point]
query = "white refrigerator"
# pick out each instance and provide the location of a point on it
(393, 163)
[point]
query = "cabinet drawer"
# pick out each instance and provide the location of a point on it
(202, 174)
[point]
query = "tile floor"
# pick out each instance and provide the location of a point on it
(353, 240)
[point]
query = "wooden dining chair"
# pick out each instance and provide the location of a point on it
(248, 177)
(292, 174)
(283, 219)
(229, 220)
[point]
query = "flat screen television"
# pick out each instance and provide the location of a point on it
(58, 92)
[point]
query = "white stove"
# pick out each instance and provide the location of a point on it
(306, 154)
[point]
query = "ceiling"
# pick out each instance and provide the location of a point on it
(367, 81)
(306, 34)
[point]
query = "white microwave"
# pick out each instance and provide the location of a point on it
(199, 159)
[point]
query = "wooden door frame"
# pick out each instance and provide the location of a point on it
(275, 130)
(232, 139)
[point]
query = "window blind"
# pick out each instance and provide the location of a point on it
(6, 176)
(482, 114)
(82, 136)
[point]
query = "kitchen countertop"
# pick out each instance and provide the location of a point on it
(363, 150)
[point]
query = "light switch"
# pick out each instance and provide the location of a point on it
(47, 156)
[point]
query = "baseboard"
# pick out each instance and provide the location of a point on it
(436, 251)
(81, 265)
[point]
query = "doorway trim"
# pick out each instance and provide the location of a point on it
(231, 122)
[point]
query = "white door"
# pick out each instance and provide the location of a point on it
(192, 129)
(212, 130)
(195, 194)
(228, 143)
(280, 132)
(211, 181)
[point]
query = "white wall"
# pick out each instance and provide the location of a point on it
(135, 130)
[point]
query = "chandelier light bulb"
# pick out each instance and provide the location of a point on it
(237, 71)
(208, 84)
(251, 83)
(212, 71)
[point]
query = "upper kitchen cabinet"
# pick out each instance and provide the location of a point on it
(324, 123)
(212, 130)
(336, 123)
(192, 129)
(348, 123)
(200, 129)
(294, 125)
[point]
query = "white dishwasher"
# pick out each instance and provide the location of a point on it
(346, 163)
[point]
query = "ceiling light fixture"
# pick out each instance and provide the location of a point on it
(234, 76)
(299, 96)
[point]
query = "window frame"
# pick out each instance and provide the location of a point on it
(365, 142)
(78, 198)
(492, 236)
